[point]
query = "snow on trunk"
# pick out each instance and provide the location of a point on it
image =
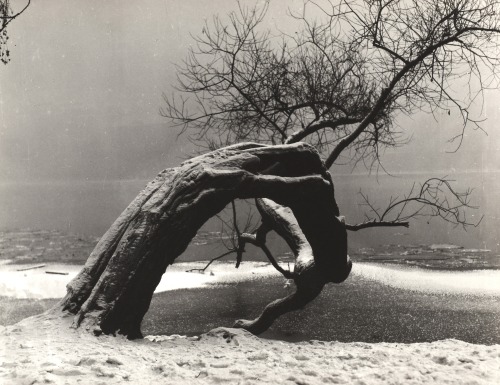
(113, 291)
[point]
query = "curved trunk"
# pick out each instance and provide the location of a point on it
(113, 291)
(308, 275)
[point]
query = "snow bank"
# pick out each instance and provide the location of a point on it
(37, 284)
(44, 350)
(477, 282)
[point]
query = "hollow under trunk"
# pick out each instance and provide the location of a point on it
(113, 291)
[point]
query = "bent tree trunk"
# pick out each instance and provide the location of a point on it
(308, 276)
(113, 291)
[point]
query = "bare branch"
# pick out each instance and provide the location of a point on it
(239, 239)
(375, 223)
(340, 84)
(202, 270)
(436, 197)
(421, 46)
(5, 19)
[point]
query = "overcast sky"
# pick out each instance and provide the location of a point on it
(80, 98)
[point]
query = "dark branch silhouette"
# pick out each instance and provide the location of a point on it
(6, 17)
(435, 197)
(341, 81)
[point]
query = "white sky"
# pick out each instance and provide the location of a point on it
(80, 98)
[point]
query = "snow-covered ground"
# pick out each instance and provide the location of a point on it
(42, 349)
(477, 282)
(36, 283)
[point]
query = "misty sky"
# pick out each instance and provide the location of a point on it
(80, 98)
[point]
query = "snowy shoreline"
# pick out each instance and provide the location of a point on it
(44, 349)
(35, 283)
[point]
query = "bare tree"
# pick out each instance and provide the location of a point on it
(341, 81)
(339, 85)
(6, 17)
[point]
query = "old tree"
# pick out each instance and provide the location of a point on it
(278, 111)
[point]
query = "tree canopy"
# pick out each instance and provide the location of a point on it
(340, 81)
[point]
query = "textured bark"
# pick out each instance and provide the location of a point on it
(308, 275)
(113, 291)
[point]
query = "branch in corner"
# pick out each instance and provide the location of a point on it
(374, 223)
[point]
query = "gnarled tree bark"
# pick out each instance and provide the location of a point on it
(113, 291)
(307, 275)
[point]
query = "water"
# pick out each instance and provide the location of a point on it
(394, 305)
(81, 207)
(486, 193)
(375, 304)
(89, 208)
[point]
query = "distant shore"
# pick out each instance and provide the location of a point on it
(29, 246)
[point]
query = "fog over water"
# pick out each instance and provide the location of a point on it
(91, 207)
(81, 133)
